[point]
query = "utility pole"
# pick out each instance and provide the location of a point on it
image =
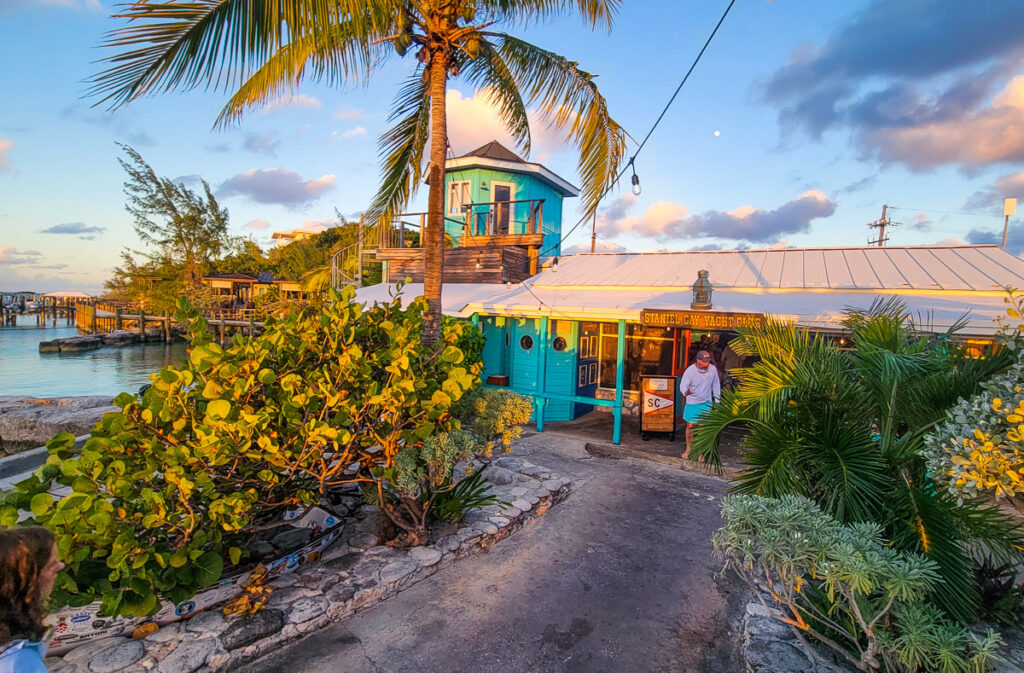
(880, 224)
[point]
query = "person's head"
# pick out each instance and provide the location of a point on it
(703, 359)
(28, 568)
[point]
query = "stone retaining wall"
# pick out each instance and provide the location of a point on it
(353, 573)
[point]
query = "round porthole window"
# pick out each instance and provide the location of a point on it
(526, 342)
(559, 344)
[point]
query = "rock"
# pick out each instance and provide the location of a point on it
(189, 656)
(288, 595)
(363, 541)
(343, 563)
(341, 594)
(291, 538)
(510, 463)
(425, 556)
(531, 497)
(448, 543)
(336, 550)
(518, 491)
(512, 511)
(486, 527)
(767, 627)
(468, 533)
(115, 658)
(166, 633)
(523, 505)
(85, 652)
(499, 475)
(78, 344)
(120, 337)
(49, 346)
(499, 521)
(305, 609)
(259, 549)
(28, 422)
(367, 569)
(396, 571)
(552, 485)
(756, 609)
(211, 621)
(775, 656)
(251, 628)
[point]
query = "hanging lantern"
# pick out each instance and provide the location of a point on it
(701, 292)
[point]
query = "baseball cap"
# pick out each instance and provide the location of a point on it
(704, 356)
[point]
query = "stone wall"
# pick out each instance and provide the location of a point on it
(355, 572)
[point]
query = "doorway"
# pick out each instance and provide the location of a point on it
(501, 214)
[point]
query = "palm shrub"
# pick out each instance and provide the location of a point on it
(165, 492)
(845, 586)
(846, 429)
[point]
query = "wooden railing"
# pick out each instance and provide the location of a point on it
(104, 318)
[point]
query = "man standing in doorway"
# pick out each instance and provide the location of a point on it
(700, 387)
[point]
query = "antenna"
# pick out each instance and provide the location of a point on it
(881, 224)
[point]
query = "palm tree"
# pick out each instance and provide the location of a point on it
(262, 49)
(846, 427)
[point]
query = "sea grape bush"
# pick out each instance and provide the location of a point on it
(164, 492)
(845, 587)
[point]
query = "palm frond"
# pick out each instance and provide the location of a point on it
(771, 456)
(489, 70)
(727, 412)
(850, 476)
(333, 56)
(597, 13)
(401, 148)
(219, 43)
(568, 99)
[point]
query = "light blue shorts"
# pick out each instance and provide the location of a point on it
(692, 412)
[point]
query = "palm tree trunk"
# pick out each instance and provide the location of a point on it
(433, 237)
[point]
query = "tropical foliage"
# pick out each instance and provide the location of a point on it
(846, 429)
(165, 492)
(978, 451)
(185, 232)
(262, 52)
(846, 586)
(421, 483)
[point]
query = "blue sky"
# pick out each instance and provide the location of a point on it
(824, 111)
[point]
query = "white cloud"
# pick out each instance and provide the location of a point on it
(977, 138)
(261, 144)
(9, 255)
(347, 134)
(5, 145)
(1005, 187)
(297, 100)
(256, 224)
(277, 185)
(474, 121)
(349, 113)
(665, 220)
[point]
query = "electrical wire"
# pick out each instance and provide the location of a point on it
(653, 127)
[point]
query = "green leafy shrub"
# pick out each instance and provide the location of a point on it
(845, 587)
(419, 484)
(165, 491)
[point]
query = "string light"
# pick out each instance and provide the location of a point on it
(635, 179)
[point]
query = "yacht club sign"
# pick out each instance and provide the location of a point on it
(653, 317)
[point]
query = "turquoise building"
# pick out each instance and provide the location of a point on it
(491, 192)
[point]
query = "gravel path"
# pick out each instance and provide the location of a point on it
(619, 577)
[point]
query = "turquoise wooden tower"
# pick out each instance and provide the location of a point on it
(493, 194)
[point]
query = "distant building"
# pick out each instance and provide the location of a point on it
(245, 287)
(286, 237)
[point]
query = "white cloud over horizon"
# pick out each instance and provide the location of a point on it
(9, 256)
(277, 186)
(667, 220)
(474, 121)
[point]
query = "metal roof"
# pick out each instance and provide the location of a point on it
(893, 268)
(494, 150)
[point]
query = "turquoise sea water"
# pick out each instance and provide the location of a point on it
(107, 371)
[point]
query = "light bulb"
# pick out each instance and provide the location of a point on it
(636, 185)
(554, 265)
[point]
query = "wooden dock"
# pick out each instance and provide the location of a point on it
(106, 318)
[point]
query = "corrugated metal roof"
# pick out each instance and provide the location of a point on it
(952, 268)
